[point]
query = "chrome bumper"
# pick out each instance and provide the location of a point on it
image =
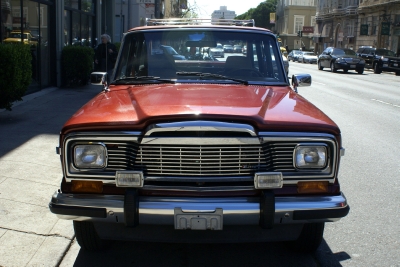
(236, 211)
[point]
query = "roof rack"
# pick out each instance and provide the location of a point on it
(197, 21)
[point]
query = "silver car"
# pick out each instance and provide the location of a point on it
(217, 51)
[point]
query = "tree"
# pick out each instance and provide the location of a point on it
(260, 14)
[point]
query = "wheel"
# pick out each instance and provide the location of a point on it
(333, 69)
(245, 72)
(360, 71)
(319, 66)
(377, 70)
(310, 238)
(87, 237)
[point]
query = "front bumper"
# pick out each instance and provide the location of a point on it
(160, 210)
(349, 66)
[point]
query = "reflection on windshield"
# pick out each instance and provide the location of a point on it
(165, 53)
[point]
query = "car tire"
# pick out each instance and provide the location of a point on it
(333, 69)
(310, 238)
(319, 66)
(87, 237)
(360, 71)
(377, 70)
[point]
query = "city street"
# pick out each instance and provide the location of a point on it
(366, 107)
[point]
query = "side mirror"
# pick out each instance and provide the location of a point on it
(98, 78)
(300, 80)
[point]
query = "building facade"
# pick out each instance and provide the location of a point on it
(222, 13)
(379, 24)
(55, 24)
(291, 17)
(355, 23)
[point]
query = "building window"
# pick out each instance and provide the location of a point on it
(298, 23)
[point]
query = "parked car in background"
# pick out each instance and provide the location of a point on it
(199, 150)
(228, 48)
(244, 50)
(171, 51)
(380, 59)
(237, 49)
(217, 51)
(15, 37)
(294, 55)
(340, 58)
(308, 57)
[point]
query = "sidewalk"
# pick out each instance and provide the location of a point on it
(30, 172)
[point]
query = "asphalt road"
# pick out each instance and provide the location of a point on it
(367, 109)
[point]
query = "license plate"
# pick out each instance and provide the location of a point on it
(198, 220)
(352, 66)
(385, 65)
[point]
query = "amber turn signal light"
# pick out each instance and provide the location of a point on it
(312, 187)
(87, 186)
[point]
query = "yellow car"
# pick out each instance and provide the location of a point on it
(15, 37)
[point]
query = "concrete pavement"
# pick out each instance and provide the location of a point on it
(30, 172)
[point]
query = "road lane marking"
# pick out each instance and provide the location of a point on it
(319, 83)
(386, 103)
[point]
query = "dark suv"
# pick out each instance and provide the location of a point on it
(380, 59)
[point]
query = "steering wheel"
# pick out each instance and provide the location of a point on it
(245, 72)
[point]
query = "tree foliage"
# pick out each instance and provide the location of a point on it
(261, 14)
(15, 73)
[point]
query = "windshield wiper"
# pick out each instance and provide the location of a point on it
(142, 78)
(201, 75)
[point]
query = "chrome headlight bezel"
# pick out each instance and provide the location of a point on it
(311, 156)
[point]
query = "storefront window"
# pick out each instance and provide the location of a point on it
(5, 18)
(72, 3)
(67, 23)
(78, 25)
(86, 5)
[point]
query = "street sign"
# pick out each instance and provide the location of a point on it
(308, 29)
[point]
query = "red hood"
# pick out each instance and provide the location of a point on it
(131, 107)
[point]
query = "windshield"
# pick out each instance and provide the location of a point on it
(384, 52)
(18, 35)
(147, 54)
(342, 52)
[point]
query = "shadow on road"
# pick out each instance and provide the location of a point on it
(242, 254)
(44, 114)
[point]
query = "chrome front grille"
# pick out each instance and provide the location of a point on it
(198, 161)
